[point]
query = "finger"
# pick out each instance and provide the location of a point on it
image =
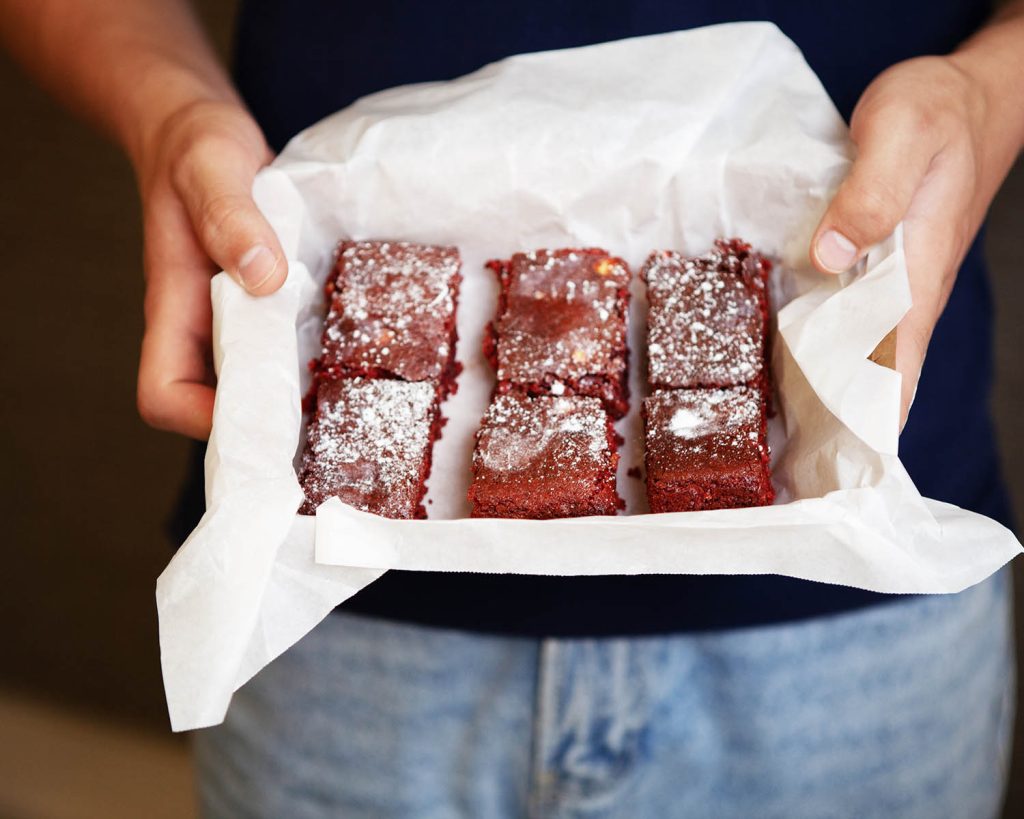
(913, 334)
(215, 183)
(175, 386)
(935, 241)
(894, 150)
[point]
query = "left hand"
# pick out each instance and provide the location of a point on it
(931, 152)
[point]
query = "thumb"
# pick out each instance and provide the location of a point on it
(892, 160)
(215, 184)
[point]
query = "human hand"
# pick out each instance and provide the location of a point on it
(195, 178)
(144, 72)
(934, 144)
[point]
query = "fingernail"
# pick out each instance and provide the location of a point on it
(835, 252)
(256, 267)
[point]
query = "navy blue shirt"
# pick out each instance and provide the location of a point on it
(300, 60)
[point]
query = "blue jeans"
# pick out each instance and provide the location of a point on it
(902, 710)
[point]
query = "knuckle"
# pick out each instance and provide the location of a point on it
(920, 120)
(900, 114)
(202, 151)
(872, 211)
(925, 98)
(221, 214)
(150, 407)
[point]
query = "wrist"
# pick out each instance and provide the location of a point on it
(993, 60)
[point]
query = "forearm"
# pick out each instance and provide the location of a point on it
(994, 59)
(127, 65)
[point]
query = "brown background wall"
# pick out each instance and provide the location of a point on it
(86, 486)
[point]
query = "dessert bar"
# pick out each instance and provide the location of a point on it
(561, 325)
(388, 360)
(369, 444)
(392, 313)
(708, 317)
(706, 449)
(544, 457)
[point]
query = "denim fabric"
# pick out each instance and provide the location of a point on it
(895, 711)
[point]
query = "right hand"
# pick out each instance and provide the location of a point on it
(195, 178)
(934, 143)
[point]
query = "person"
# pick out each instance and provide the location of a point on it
(459, 695)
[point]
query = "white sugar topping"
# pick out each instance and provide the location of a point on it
(543, 434)
(369, 439)
(565, 316)
(697, 421)
(687, 424)
(706, 325)
(390, 307)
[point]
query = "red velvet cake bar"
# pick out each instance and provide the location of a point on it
(706, 449)
(708, 317)
(544, 457)
(561, 325)
(392, 313)
(370, 445)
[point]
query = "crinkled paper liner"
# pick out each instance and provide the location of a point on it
(655, 142)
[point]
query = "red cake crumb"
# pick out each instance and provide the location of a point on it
(561, 325)
(370, 445)
(392, 313)
(706, 449)
(635, 473)
(544, 457)
(708, 317)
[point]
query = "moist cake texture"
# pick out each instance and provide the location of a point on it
(561, 325)
(541, 457)
(392, 312)
(706, 449)
(708, 317)
(369, 444)
(387, 362)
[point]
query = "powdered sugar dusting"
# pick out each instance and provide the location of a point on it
(704, 420)
(706, 449)
(369, 444)
(563, 318)
(706, 320)
(392, 309)
(687, 424)
(543, 436)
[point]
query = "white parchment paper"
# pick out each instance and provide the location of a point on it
(657, 142)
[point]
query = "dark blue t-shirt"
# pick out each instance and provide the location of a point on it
(299, 60)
